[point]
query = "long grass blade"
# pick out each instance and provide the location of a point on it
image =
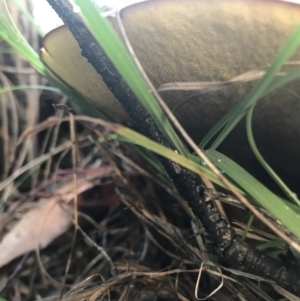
(11, 35)
(292, 196)
(282, 210)
(230, 120)
(112, 45)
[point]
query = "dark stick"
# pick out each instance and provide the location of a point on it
(231, 249)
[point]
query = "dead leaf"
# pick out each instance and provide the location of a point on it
(48, 219)
(37, 228)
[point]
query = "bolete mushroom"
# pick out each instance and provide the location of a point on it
(203, 41)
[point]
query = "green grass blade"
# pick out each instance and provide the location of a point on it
(276, 83)
(218, 126)
(247, 228)
(151, 159)
(292, 196)
(11, 35)
(139, 139)
(272, 244)
(230, 120)
(29, 17)
(284, 211)
(113, 47)
(279, 82)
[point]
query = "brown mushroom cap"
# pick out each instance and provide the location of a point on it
(202, 41)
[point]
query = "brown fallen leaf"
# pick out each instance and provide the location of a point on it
(37, 228)
(49, 218)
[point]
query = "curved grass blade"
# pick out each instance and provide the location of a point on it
(139, 139)
(230, 120)
(292, 196)
(276, 83)
(272, 244)
(288, 214)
